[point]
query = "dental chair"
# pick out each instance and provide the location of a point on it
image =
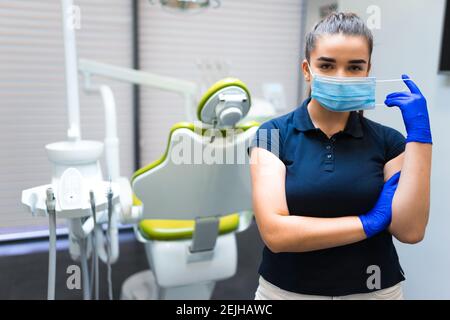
(196, 197)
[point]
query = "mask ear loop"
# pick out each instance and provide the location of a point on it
(389, 80)
(393, 80)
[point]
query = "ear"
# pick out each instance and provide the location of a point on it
(305, 70)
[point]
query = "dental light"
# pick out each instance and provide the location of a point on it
(191, 6)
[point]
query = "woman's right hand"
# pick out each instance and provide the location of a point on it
(379, 217)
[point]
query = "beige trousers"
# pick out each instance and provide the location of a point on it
(268, 291)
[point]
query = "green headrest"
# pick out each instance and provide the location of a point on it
(219, 85)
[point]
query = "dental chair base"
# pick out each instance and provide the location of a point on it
(143, 286)
(182, 274)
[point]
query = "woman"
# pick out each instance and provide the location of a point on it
(330, 187)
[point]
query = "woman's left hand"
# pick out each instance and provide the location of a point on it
(380, 216)
(413, 106)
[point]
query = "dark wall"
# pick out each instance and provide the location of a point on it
(24, 276)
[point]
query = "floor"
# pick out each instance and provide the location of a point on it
(23, 271)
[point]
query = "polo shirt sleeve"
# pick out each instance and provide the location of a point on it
(395, 143)
(267, 137)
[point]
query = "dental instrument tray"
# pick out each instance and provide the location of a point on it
(71, 202)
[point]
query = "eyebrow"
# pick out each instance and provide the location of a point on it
(326, 59)
(357, 61)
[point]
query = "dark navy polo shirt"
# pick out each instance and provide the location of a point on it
(332, 177)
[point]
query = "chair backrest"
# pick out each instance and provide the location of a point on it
(198, 176)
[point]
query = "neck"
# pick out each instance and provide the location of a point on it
(327, 121)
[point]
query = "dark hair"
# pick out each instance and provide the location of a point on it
(346, 23)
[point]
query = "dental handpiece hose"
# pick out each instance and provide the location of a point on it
(51, 205)
(109, 196)
(83, 243)
(95, 279)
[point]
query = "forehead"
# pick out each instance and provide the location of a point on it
(340, 46)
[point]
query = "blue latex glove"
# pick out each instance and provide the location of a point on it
(379, 217)
(414, 111)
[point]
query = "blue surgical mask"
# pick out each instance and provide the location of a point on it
(343, 94)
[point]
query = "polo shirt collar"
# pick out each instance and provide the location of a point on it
(302, 121)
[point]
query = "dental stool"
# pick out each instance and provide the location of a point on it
(196, 197)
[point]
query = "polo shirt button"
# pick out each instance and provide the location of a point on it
(329, 156)
(328, 147)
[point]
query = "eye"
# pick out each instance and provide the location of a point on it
(355, 68)
(326, 66)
